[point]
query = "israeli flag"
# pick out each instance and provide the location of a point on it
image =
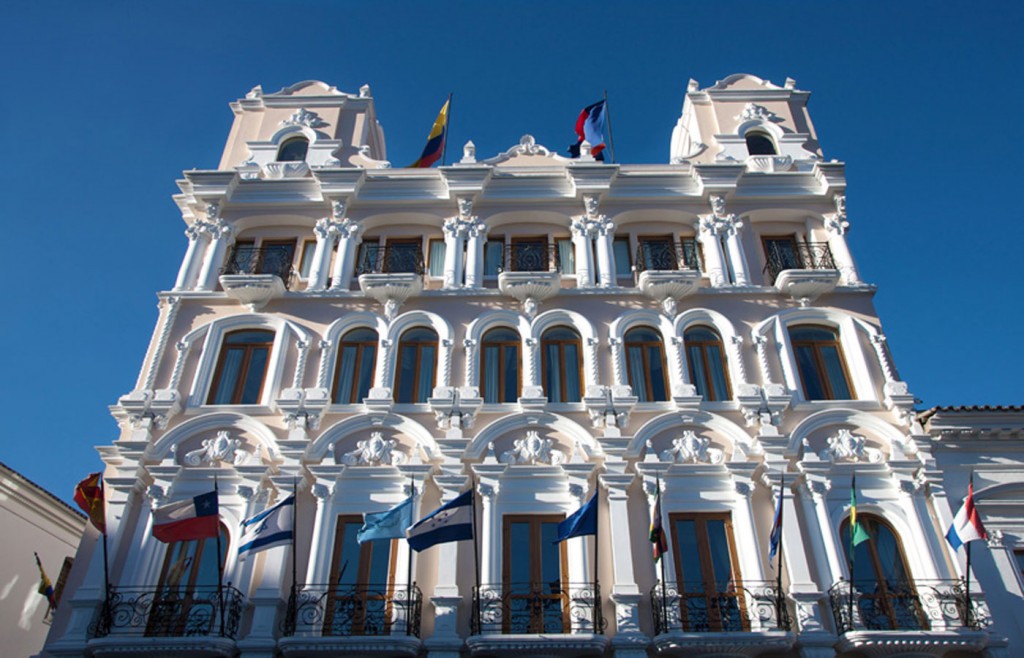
(271, 527)
(452, 521)
(389, 524)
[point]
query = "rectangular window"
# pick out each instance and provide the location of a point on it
(534, 568)
(566, 256)
(306, 260)
(438, 248)
(276, 257)
(623, 263)
(707, 577)
(359, 601)
(494, 256)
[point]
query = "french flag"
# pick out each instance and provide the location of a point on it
(192, 518)
(966, 524)
(590, 127)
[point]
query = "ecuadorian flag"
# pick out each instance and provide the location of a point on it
(435, 142)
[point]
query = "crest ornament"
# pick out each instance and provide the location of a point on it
(533, 450)
(304, 117)
(375, 451)
(692, 449)
(220, 449)
(848, 447)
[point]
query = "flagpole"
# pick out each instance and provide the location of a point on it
(220, 560)
(778, 577)
(662, 537)
(597, 542)
(408, 565)
(967, 579)
(106, 560)
(476, 548)
(608, 115)
(447, 123)
(294, 599)
(853, 546)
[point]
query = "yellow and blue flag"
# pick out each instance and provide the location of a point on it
(435, 141)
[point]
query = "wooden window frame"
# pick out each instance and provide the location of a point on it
(703, 345)
(361, 347)
(534, 521)
(418, 363)
(502, 345)
(243, 369)
(644, 346)
(561, 342)
(169, 611)
(710, 593)
(365, 557)
(819, 360)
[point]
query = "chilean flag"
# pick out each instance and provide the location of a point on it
(966, 524)
(590, 126)
(192, 518)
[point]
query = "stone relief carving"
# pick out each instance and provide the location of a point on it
(692, 449)
(220, 449)
(304, 117)
(375, 451)
(753, 111)
(848, 447)
(533, 450)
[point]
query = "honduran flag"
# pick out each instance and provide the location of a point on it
(192, 518)
(966, 524)
(452, 521)
(435, 141)
(590, 127)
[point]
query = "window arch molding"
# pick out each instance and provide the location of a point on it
(162, 449)
(410, 320)
(773, 131)
(285, 333)
(898, 442)
(291, 131)
(336, 331)
(479, 327)
(919, 562)
(582, 438)
(623, 324)
(849, 329)
(317, 449)
(731, 342)
(588, 339)
(738, 436)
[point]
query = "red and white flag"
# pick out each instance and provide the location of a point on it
(192, 518)
(966, 524)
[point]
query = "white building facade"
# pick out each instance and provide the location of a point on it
(540, 330)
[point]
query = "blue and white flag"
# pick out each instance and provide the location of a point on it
(389, 524)
(581, 522)
(271, 527)
(775, 537)
(450, 522)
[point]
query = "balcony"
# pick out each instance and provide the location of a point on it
(537, 618)
(256, 275)
(748, 619)
(932, 615)
(362, 619)
(202, 621)
(531, 273)
(391, 273)
(668, 271)
(803, 270)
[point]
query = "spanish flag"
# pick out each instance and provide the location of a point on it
(435, 142)
(45, 586)
(89, 496)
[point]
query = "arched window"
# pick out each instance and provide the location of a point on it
(417, 362)
(293, 150)
(359, 601)
(819, 358)
(353, 374)
(499, 376)
(562, 364)
(883, 588)
(705, 357)
(186, 600)
(242, 367)
(645, 364)
(759, 143)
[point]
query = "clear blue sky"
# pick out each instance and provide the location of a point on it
(103, 104)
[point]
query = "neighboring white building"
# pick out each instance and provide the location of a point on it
(32, 520)
(541, 330)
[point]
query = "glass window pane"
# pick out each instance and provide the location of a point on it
(654, 357)
(553, 374)
(623, 268)
(231, 362)
(566, 256)
(692, 576)
(721, 560)
(380, 562)
(813, 386)
(834, 371)
(347, 567)
(247, 337)
(367, 364)
(346, 372)
(437, 254)
(254, 376)
(573, 391)
(405, 376)
(698, 371)
(493, 251)
(519, 552)
(716, 366)
(490, 374)
(811, 334)
(306, 263)
(550, 565)
(635, 363)
(425, 385)
(511, 373)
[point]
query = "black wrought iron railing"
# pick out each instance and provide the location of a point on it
(781, 256)
(370, 609)
(200, 611)
(274, 259)
(921, 605)
(694, 608)
(531, 257)
(390, 259)
(533, 608)
(667, 256)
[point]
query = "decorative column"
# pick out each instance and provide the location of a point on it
(454, 243)
(446, 642)
(714, 264)
(581, 229)
(189, 272)
(349, 237)
(730, 225)
(221, 236)
(320, 547)
(326, 231)
(476, 238)
(836, 225)
(624, 593)
(603, 230)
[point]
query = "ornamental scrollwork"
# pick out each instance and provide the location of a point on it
(220, 449)
(304, 117)
(755, 112)
(848, 447)
(533, 450)
(375, 451)
(692, 449)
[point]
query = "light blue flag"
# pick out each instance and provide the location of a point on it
(389, 524)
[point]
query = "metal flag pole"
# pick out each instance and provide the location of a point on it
(447, 123)
(967, 579)
(597, 543)
(295, 569)
(220, 559)
(608, 117)
(408, 565)
(106, 559)
(662, 538)
(778, 577)
(853, 547)
(476, 547)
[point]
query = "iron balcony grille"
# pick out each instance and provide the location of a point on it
(198, 612)
(796, 256)
(534, 608)
(275, 259)
(531, 257)
(904, 606)
(693, 608)
(662, 255)
(364, 609)
(390, 259)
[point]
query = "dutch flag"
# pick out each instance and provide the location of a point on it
(966, 524)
